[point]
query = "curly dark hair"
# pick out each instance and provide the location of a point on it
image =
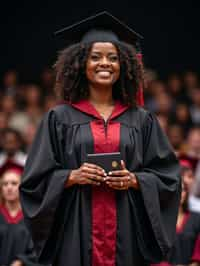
(71, 81)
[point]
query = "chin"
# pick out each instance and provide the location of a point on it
(104, 83)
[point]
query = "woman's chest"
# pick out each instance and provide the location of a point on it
(100, 136)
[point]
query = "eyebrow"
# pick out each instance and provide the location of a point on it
(98, 52)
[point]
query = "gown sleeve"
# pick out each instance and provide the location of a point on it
(159, 180)
(28, 258)
(43, 180)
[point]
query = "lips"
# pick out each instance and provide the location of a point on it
(104, 74)
(104, 71)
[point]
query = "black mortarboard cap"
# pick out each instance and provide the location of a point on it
(100, 27)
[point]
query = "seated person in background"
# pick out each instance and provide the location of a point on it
(11, 144)
(186, 248)
(16, 248)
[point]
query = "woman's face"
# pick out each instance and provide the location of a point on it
(103, 66)
(10, 186)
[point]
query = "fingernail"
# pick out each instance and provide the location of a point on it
(105, 174)
(110, 173)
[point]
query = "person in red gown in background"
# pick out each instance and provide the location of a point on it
(16, 247)
(186, 249)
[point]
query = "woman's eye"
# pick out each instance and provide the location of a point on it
(114, 58)
(94, 57)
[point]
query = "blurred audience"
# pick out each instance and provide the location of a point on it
(10, 82)
(175, 101)
(34, 103)
(176, 138)
(11, 147)
(195, 106)
(193, 143)
(47, 81)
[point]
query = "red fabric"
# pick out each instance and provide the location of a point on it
(196, 252)
(11, 220)
(10, 165)
(185, 163)
(193, 160)
(86, 107)
(104, 216)
(164, 263)
(140, 95)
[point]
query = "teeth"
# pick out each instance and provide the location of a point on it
(104, 71)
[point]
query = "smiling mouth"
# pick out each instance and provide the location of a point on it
(104, 74)
(104, 71)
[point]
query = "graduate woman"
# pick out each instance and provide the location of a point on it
(78, 214)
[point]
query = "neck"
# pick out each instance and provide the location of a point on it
(101, 95)
(13, 206)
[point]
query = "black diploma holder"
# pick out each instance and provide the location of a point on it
(108, 161)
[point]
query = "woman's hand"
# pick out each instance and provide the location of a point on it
(87, 174)
(122, 179)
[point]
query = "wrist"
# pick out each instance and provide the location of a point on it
(134, 182)
(70, 180)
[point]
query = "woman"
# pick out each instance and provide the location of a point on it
(186, 248)
(77, 213)
(16, 248)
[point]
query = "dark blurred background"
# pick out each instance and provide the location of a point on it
(171, 33)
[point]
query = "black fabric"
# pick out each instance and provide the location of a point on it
(15, 243)
(99, 36)
(183, 247)
(60, 219)
(100, 27)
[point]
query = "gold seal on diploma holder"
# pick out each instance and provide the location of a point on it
(114, 164)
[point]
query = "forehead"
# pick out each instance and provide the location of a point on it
(11, 175)
(103, 47)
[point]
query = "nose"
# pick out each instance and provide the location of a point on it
(104, 62)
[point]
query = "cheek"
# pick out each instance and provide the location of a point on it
(117, 71)
(90, 70)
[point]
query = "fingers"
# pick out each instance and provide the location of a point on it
(92, 182)
(118, 185)
(94, 177)
(88, 181)
(93, 169)
(119, 173)
(118, 178)
(93, 166)
(123, 165)
(117, 182)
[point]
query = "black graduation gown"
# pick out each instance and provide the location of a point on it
(15, 240)
(60, 219)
